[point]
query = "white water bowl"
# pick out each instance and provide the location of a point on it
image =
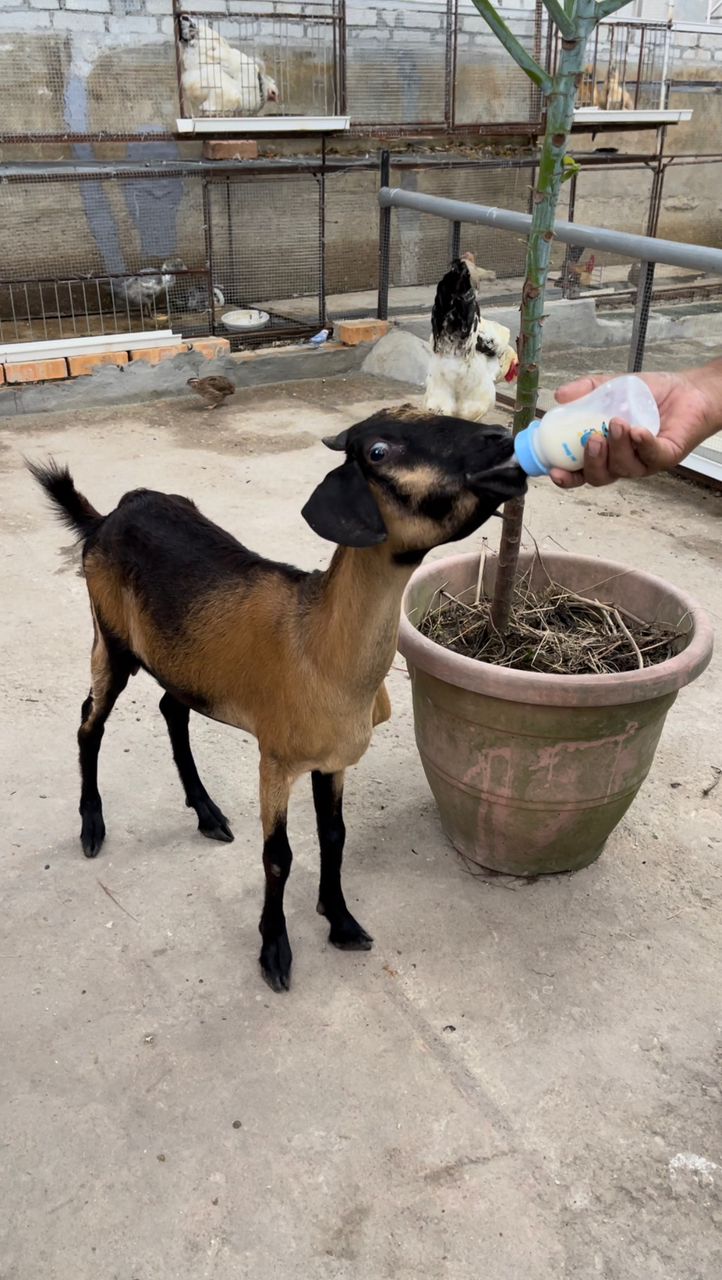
(245, 319)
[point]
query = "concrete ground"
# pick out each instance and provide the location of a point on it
(520, 1082)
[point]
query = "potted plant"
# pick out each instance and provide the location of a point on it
(532, 771)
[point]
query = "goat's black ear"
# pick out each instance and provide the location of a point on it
(338, 442)
(343, 509)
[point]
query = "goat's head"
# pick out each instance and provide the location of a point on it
(414, 480)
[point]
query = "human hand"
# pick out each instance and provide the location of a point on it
(686, 411)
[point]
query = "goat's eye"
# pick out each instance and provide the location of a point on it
(378, 451)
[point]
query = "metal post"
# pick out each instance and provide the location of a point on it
(568, 289)
(382, 310)
(178, 9)
(663, 93)
(449, 65)
(322, 237)
(342, 59)
(455, 240)
(208, 234)
(641, 317)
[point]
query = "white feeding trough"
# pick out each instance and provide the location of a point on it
(245, 319)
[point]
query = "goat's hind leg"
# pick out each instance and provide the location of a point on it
(111, 666)
(346, 932)
(211, 822)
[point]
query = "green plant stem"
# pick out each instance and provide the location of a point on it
(560, 101)
(558, 14)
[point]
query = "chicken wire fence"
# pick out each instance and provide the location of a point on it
(235, 61)
(627, 66)
(421, 247)
(133, 69)
(132, 251)
(640, 314)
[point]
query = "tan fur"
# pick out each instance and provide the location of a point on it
(410, 413)
(417, 483)
(265, 665)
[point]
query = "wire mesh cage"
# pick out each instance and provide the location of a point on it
(607, 196)
(434, 64)
(127, 252)
(244, 58)
(398, 63)
(265, 253)
(89, 75)
(489, 87)
(102, 255)
(135, 68)
(626, 68)
(422, 246)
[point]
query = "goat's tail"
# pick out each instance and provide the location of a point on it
(72, 507)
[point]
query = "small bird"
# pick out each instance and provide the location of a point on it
(319, 338)
(213, 390)
(141, 291)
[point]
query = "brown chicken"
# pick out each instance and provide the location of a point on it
(213, 390)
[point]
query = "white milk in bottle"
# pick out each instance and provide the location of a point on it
(559, 438)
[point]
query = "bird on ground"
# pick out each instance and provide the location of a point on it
(214, 390)
(218, 79)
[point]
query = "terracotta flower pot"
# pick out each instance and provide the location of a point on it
(531, 773)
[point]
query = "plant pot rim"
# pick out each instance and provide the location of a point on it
(557, 690)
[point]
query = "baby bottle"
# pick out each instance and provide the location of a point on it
(558, 439)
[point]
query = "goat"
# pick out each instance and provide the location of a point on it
(298, 659)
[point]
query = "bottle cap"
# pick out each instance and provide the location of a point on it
(525, 453)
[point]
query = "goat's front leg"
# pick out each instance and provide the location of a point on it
(328, 801)
(275, 954)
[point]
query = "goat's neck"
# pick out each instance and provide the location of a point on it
(358, 614)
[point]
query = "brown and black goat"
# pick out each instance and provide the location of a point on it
(297, 659)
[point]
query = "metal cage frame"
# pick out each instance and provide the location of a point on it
(529, 127)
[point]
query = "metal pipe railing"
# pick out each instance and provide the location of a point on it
(696, 257)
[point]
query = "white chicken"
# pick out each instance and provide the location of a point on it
(218, 79)
(469, 354)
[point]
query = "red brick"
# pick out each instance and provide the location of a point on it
(154, 355)
(37, 370)
(230, 149)
(80, 365)
(211, 348)
(352, 332)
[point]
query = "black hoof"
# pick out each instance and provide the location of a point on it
(348, 935)
(276, 961)
(212, 823)
(92, 833)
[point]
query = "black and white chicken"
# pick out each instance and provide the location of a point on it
(218, 79)
(469, 354)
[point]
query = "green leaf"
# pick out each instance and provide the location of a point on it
(570, 168)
